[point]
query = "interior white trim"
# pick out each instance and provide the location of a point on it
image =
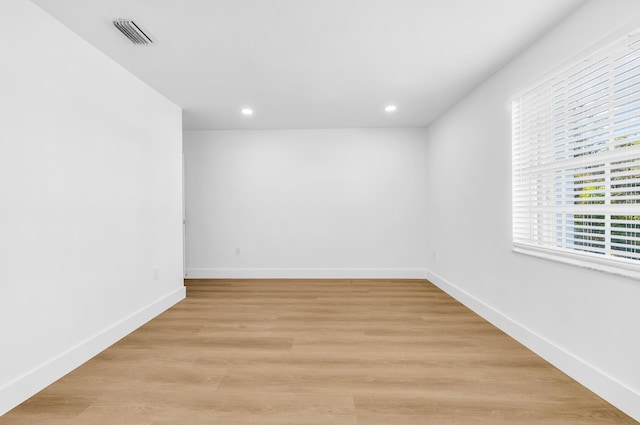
(20, 389)
(300, 273)
(615, 392)
(586, 260)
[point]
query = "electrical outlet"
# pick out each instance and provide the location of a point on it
(156, 273)
(237, 251)
(433, 254)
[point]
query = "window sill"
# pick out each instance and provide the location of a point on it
(585, 260)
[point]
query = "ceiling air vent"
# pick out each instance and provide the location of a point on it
(133, 31)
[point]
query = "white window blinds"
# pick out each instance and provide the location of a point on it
(576, 161)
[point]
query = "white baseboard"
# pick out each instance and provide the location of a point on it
(607, 387)
(274, 273)
(19, 390)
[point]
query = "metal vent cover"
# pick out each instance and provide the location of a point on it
(133, 31)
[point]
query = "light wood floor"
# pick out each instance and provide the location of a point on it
(316, 352)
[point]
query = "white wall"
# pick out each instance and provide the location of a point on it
(305, 203)
(90, 201)
(584, 321)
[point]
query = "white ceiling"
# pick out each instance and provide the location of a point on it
(313, 63)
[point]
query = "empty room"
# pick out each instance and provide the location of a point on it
(355, 212)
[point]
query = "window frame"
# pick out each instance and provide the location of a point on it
(615, 265)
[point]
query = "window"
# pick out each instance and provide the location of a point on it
(576, 163)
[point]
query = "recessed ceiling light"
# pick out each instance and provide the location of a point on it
(247, 111)
(390, 108)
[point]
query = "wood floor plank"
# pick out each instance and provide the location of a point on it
(343, 352)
